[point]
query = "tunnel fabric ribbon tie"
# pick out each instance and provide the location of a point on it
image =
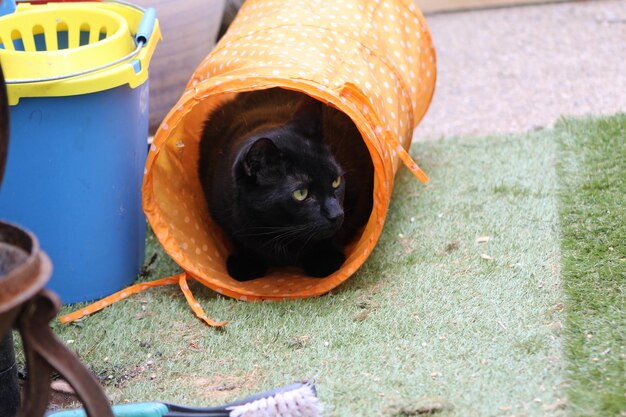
(180, 279)
(408, 162)
(195, 306)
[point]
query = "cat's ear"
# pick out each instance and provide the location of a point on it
(308, 117)
(261, 154)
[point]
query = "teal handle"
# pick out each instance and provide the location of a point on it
(145, 26)
(125, 410)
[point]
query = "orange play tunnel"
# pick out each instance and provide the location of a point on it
(371, 59)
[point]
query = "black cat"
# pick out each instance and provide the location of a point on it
(287, 178)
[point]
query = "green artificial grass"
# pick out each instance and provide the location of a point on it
(592, 176)
(434, 321)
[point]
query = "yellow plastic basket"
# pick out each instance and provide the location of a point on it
(63, 49)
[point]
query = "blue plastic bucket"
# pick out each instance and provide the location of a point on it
(74, 171)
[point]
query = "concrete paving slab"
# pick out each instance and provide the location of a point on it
(516, 69)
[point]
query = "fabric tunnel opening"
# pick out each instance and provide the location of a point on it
(179, 215)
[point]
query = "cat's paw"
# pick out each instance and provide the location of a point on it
(245, 269)
(323, 262)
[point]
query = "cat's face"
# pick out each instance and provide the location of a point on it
(291, 183)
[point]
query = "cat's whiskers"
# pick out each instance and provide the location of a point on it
(306, 242)
(290, 235)
(281, 243)
(278, 237)
(264, 230)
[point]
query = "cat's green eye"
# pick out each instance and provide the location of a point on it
(301, 194)
(337, 182)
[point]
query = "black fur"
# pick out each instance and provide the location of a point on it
(255, 152)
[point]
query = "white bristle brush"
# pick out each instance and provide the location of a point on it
(296, 400)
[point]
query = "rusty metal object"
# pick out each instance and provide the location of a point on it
(45, 351)
(25, 304)
(24, 271)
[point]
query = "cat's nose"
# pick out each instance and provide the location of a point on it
(333, 211)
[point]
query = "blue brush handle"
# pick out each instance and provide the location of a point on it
(126, 410)
(145, 26)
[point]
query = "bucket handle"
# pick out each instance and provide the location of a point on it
(145, 26)
(141, 39)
